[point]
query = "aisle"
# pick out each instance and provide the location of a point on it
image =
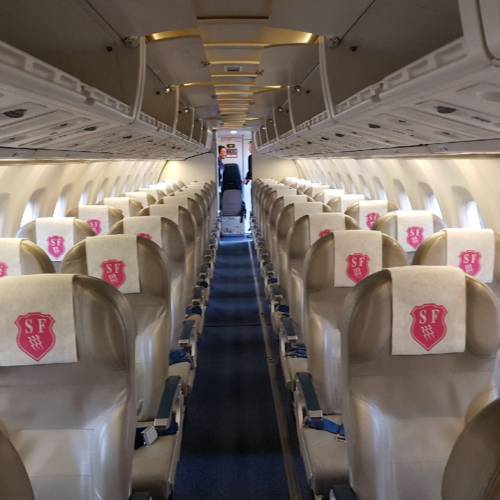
(231, 447)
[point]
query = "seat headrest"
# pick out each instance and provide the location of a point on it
(409, 227)
(472, 469)
(20, 256)
(344, 201)
(475, 251)
(151, 261)
(328, 194)
(128, 206)
(142, 197)
(99, 217)
(368, 317)
(55, 235)
(177, 200)
(368, 212)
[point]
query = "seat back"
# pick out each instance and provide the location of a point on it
(21, 256)
(367, 212)
(168, 235)
(325, 195)
(303, 234)
(129, 207)
(409, 227)
(100, 218)
(232, 202)
(55, 235)
(14, 481)
(315, 189)
(324, 294)
(472, 469)
(139, 269)
(344, 201)
(68, 409)
(286, 219)
(419, 346)
(143, 197)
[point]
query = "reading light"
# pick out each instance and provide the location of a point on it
(233, 132)
(298, 89)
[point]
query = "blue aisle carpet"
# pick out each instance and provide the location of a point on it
(231, 447)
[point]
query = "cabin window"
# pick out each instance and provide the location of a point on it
(32, 209)
(85, 196)
(403, 199)
(62, 203)
(340, 182)
(4, 197)
(365, 189)
(351, 184)
(382, 195)
(114, 191)
(430, 201)
(102, 192)
(471, 216)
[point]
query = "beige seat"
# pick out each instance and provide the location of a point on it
(56, 236)
(143, 197)
(167, 234)
(72, 417)
(129, 207)
(156, 192)
(14, 481)
(327, 282)
(21, 256)
(100, 220)
(146, 288)
(472, 469)
(315, 189)
(344, 201)
(286, 219)
(392, 224)
(367, 212)
(418, 363)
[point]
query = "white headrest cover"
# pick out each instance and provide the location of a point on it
(55, 235)
(37, 323)
(329, 194)
(168, 211)
(346, 200)
(10, 257)
(323, 224)
(114, 259)
(147, 227)
(140, 196)
(306, 208)
(370, 211)
(357, 255)
(120, 202)
(288, 199)
(181, 200)
(473, 251)
(413, 227)
(428, 310)
(96, 216)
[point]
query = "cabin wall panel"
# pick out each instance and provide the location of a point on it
(200, 167)
(21, 180)
(477, 176)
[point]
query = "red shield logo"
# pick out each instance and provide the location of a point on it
(3, 269)
(145, 236)
(428, 327)
(113, 272)
(470, 262)
(35, 334)
(56, 246)
(357, 266)
(325, 232)
(415, 236)
(95, 224)
(371, 218)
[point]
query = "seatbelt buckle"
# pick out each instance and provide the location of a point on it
(149, 435)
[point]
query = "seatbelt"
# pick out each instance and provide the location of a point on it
(323, 424)
(297, 351)
(179, 356)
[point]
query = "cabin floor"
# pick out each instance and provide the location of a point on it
(239, 436)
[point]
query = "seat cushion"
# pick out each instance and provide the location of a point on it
(154, 466)
(184, 371)
(325, 457)
(292, 366)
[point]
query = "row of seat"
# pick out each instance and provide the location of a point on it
(387, 361)
(99, 357)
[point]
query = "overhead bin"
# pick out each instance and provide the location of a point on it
(432, 86)
(282, 114)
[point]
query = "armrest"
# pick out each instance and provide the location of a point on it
(188, 332)
(308, 395)
(342, 492)
(197, 295)
(289, 330)
(169, 398)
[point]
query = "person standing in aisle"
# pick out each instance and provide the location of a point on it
(220, 162)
